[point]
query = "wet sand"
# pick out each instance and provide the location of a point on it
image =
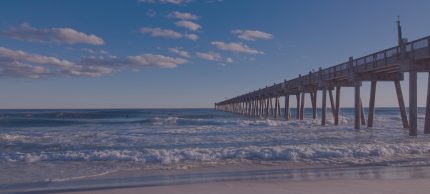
(247, 180)
(416, 186)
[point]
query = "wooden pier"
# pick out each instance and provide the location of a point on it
(388, 65)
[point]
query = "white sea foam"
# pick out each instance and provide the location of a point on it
(11, 137)
(341, 153)
(164, 121)
(78, 177)
(185, 139)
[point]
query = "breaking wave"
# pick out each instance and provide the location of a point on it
(355, 153)
(162, 139)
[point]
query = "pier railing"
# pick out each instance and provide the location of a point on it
(415, 50)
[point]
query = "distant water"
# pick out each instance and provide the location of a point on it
(61, 145)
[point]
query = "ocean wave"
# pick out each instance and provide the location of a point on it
(173, 120)
(343, 153)
(29, 122)
(164, 121)
(11, 137)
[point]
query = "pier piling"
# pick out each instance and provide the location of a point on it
(357, 106)
(287, 108)
(336, 117)
(302, 106)
(427, 118)
(371, 104)
(413, 103)
(324, 108)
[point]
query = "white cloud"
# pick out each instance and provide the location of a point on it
(252, 34)
(180, 52)
(22, 70)
(88, 70)
(151, 13)
(107, 61)
(158, 32)
(166, 33)
(151, 60)
(188, 25)
(236, 47)
(19, 64)
(177, 2)
(182, 16)
(15, 63)
(210, 56)
(192, 36)
(20, 56)
(103, 52)
(91, 51)
(229, 60)
(59, 35)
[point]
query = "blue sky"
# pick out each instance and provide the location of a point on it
(180, 53)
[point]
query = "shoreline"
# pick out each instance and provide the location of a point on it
(416, 186)
(276, 178)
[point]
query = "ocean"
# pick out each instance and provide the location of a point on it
(41, 149)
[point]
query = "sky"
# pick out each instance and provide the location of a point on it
(188, 53)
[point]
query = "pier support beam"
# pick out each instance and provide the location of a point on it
(302, 107)
(333, 109)
(298, 106)
(324, 106)
(401, 104)
(257, 107)
(427, 119)
(371, 104)
(336, 117)
(357, 103)
(314, 104)
(287, 108)
(363, 118)
(252, 107)
(261, 107)
(279, 107)
(266, 107)
(249, 107)
(413, 103)
(276, 107)
(271, 107)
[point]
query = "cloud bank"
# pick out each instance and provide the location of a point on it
(158, 32)
(26, 32)
(20, 64)
(180, 52)
(209, 56)
(151, 60)
(252, 35)
(235, 47)
(15, 63)
(188, 25)
(182, 16)
(166, 33)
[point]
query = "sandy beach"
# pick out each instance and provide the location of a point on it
(214, 97)
(415, 186)
(245, 180)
